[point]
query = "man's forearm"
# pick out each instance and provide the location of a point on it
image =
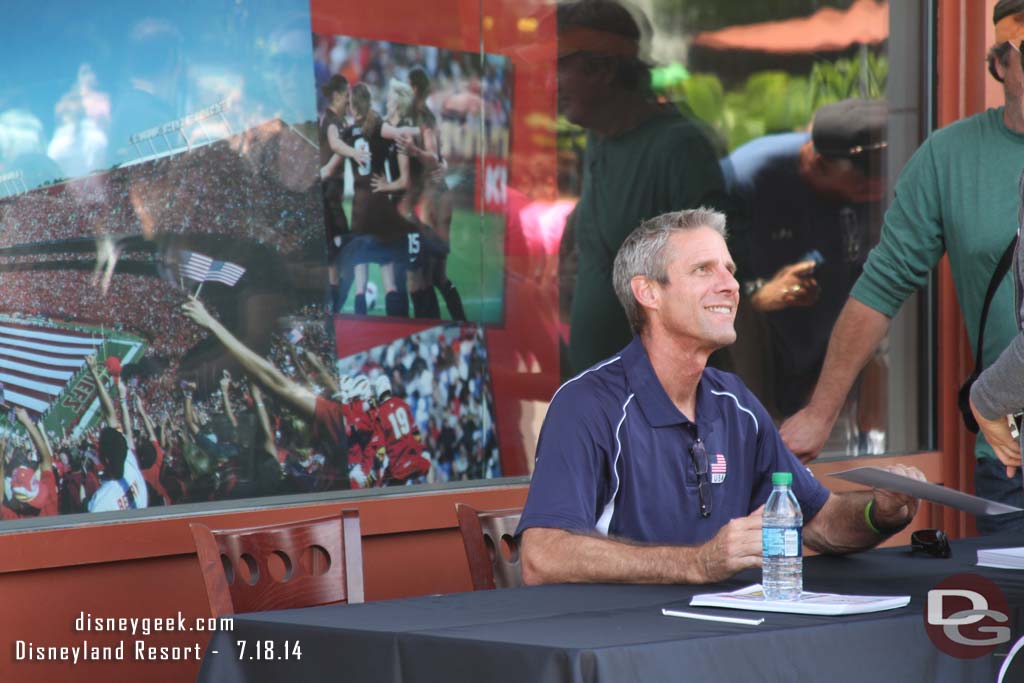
(264, 372)
(190, 415)
(264, 421)
(228, 410)
(126, 417)
(556, 556)
(841, 525)
(325, 377)
(150, 429)
(857, 333)
(37, 440)
(255, 365)
(109, 411)
(147, 423)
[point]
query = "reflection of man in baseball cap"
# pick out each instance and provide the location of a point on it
(846, 155)
(851, 128)
(842, 163)
(813, 207)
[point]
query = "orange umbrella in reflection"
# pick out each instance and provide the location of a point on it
(865, 22)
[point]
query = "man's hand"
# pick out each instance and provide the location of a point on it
(736, 546)
(90, 361)
(805, 433)
(893, 509)
(997, 433)
(792, 285)
(195, 311)
(225, 380)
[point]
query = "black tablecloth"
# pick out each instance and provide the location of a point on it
(617, 633)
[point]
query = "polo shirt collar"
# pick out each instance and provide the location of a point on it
(657, 407)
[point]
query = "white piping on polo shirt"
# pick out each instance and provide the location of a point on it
(757, 427)
(596, 367)
(606, 516)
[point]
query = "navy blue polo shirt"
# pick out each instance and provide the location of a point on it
(614, 456)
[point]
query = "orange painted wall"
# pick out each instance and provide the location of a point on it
(411, 546)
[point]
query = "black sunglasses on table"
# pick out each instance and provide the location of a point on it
(931, 541)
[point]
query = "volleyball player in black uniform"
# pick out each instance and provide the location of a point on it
(332, 179)
(428, 184)
(380, 230)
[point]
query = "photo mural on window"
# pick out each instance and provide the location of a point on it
(171, 269)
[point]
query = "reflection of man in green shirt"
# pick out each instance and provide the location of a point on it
(643, 159)
(958, 196)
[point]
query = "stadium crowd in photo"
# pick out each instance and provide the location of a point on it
(98, 269)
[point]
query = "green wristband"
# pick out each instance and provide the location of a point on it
(867, 517)
(873, 524)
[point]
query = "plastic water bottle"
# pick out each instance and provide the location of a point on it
(782, 575)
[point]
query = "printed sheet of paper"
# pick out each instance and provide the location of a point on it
(829, 604)
(884, 479)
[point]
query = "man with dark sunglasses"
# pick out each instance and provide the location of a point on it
(651, 466)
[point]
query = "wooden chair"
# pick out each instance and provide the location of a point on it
(282, 566)
(491, 547)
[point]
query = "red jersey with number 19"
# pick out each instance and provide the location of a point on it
(405, 450)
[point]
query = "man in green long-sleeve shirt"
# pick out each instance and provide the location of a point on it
(643, 159)
(957, 195)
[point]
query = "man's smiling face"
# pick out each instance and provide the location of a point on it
(698, 304)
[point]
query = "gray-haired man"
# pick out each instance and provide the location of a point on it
(653, 447)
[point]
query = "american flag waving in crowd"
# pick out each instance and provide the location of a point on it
(202, 268)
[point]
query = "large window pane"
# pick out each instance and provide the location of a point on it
(395, 221)
(812, 109)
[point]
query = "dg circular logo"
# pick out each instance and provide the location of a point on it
(967, 616)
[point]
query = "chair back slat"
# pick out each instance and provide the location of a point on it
(491, 547)
(315, 562)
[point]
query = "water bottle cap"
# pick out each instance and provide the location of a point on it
(782, 478)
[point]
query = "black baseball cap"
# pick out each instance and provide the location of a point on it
(851, 129)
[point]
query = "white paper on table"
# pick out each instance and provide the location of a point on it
(828, 604)
(890, 481)
(1001, 558)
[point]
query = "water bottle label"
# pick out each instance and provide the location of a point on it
(779, 542)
